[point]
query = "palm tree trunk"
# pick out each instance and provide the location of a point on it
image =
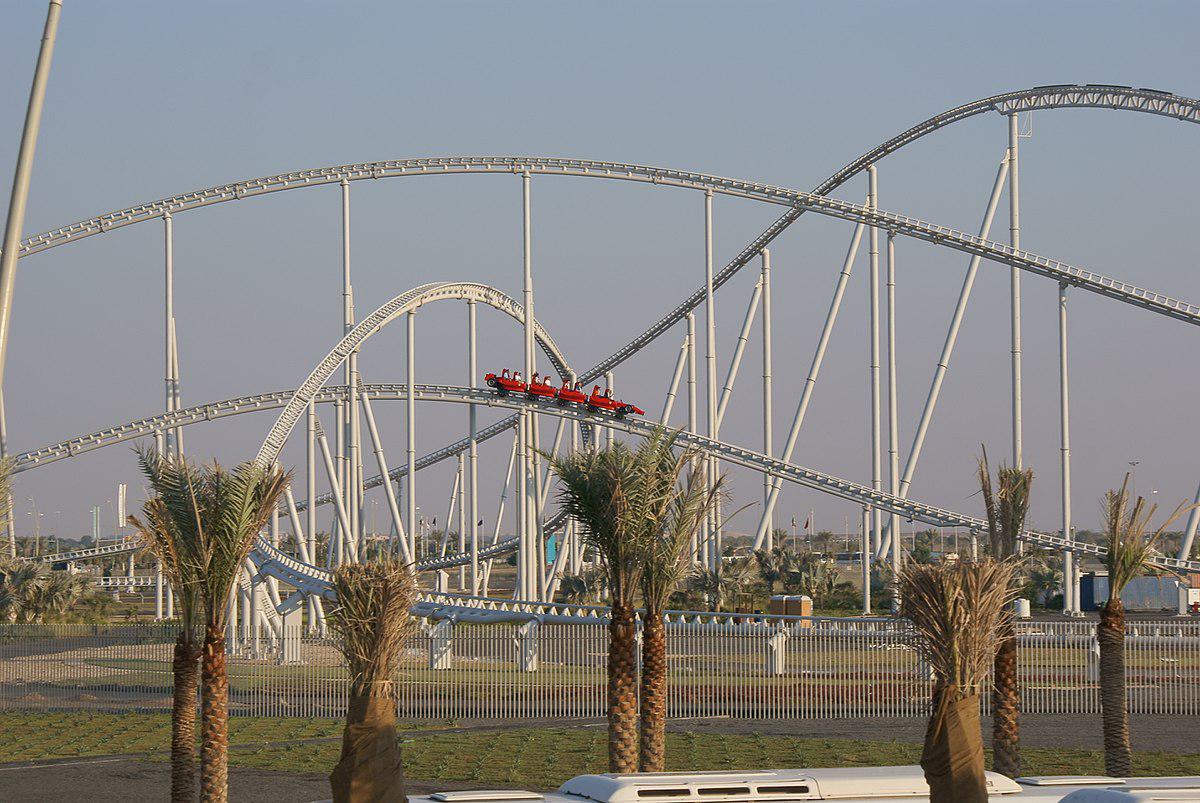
(370, 767)
(214, 719)
(622, 691)
(1006, 705)
(952, 756)
(186, 670)
(654, 692)
(1118, 758)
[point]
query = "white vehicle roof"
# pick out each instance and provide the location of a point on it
(849, 785)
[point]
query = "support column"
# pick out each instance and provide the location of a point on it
(876, 470)
(710, 358)
(866, 561)
(472, 429)
(349, 421)
(17, 202)
(169, 325)
(523, 547)
(810, 382)
(310, 464)
(893, 409)
(158, 591)
(699, 541)
(1064, 420)
(388, 491)
(1014, 238)
(410, 423)
(528, 487)
(768, 414)
(609, 381)
(956, 318)
(1189, 532)
(462, 520)
(672, 389)
(340, 533)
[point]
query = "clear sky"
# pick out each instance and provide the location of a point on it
(151, 99)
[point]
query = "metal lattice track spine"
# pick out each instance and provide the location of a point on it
(854, 492)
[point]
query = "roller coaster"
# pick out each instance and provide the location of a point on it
(289, 569)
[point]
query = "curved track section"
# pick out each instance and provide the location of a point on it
(275, 563)
(800, 202)
(353, 340)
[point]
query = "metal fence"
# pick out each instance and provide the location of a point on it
(767, 669)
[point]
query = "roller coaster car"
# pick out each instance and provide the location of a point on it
(569, 395)
(605, 401)
(505, 383)
(541, 389)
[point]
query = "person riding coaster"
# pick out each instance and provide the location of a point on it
(597, 402)
(542, 389)
(505, 383)
(571, 394)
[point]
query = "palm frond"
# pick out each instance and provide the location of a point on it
(372, 621)
(956, 610)
(202, 522)
(1128, 535)
(1007, 507)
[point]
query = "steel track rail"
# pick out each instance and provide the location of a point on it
(292, 570)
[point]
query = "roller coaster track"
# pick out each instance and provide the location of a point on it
(844, 489)
(1096, 96)
(272, 562)
(1046, 97)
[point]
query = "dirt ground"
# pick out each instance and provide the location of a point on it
(129, 779)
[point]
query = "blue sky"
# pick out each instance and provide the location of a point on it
(153, 99)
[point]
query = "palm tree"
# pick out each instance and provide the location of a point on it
(717, 584)
(584, 588)
(592, 490)
(173, 542)
(216, 514)
(1006, 509)
(772, 565)
(32, 594)
(956, 610)
(1043, 580)
(811, 574)
(372, 622)
(1130, 549)
(664, 518)
(18, 579)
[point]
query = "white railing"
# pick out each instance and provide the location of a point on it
(783, 668)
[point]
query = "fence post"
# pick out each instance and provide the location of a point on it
(527, 646)
(441, 653)
(777, 653)
(289, 651)
(1093, 660)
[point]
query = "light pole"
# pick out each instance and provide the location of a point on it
(37, 525)
(1133, 464)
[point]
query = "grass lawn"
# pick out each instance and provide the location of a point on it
(535, 758)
